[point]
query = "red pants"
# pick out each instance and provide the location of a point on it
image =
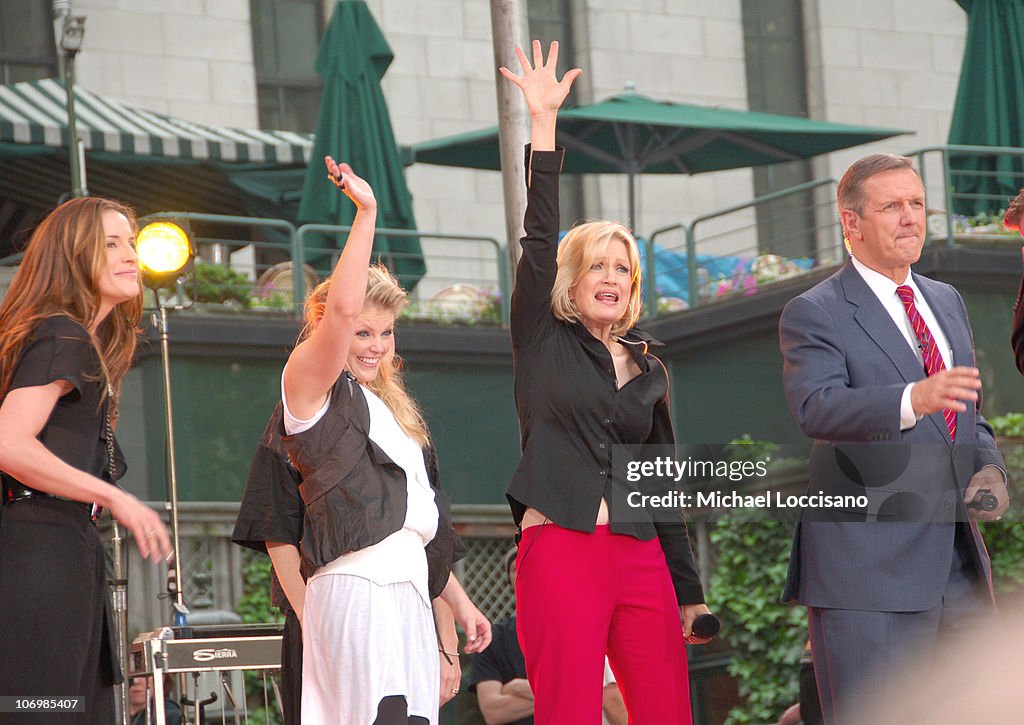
(580, 596)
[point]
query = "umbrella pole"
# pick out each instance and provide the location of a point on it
(631, 180)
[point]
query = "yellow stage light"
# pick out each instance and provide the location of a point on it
(164, 251)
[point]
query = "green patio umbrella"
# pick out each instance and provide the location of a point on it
(989, 107)
(354, 126)
(632, 134)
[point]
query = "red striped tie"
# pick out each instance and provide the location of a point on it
(929, 350)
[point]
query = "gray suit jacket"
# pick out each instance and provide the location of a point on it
(846, 366)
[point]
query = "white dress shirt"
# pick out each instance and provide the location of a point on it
(885, 290)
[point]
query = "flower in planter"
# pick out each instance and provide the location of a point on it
(668, 305)
(772, 267)
(457, 305)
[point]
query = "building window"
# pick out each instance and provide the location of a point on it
(285, 37)
(777, 83)
(27, 50)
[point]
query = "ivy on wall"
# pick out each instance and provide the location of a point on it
(1005, 539)
(255, 608)
(767, 636)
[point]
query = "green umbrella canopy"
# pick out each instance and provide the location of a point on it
(633, 134)
(988, 110)
(354, 126)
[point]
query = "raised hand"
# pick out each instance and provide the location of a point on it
(543, 92)
(355, 188)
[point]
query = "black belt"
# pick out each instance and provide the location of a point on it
(14, 490)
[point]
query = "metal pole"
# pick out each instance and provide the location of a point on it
(74, 161)
(68, 33)
(165, 356)
(509, 27)
(61, 10)
(119, 592)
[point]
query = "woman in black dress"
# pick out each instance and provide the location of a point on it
(67, 336)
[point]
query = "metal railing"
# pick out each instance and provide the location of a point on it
(773, 237)
(459, 283)
(727, 253)
(976, 184)
(457, 277)
(217, 236)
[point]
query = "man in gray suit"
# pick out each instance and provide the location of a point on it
(880, 372)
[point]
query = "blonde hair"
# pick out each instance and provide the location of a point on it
(383, 293)
(60, 275)
(576, 254)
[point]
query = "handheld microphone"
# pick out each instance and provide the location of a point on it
(706, 626)
(984, 500)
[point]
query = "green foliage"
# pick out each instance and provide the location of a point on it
(750, 572)
(272, 300)
(480, 309)
(254, 607)
(1005, 539)
(746, 448)
(217, 283)
(1010, 425)
(768, 637)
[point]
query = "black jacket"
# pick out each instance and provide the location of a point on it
(351, 495)
(578, 430)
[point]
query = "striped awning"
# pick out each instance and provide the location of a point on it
(35, 112)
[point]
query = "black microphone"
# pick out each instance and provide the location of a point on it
(984, 500)
(705, 626)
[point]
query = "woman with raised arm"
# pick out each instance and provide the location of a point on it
(68, 327)
(591, 581)
(377, 541)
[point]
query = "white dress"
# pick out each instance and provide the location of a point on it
(368, 627)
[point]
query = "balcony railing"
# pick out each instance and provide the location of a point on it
(722, 255)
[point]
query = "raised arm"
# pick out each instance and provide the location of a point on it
(544, 95)
(318, 360)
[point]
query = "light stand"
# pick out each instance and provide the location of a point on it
(173, 572)
(119, 592)
(165, 250)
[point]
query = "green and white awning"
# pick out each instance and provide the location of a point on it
(35, 112)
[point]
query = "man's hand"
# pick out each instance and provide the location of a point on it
(946, 389)
(988, 478)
